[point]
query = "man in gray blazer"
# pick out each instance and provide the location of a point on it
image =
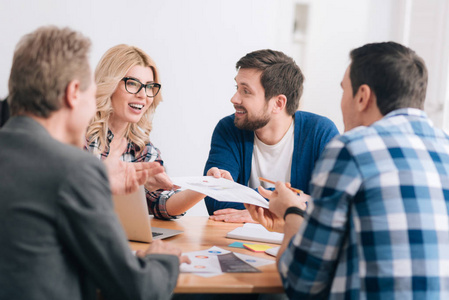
(59, 235)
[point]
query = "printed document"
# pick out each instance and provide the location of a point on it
(221, 189)
(215, 261)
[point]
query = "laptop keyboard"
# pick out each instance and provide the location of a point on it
(156, 233)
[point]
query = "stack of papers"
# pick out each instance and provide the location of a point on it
(273, 251)
(255, 232)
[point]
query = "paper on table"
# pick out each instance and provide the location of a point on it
(205, 263)
(273, 251)
(221, 189)
(253, 260)
(230, 263)
(255, 232)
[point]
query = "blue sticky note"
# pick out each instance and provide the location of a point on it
(237, 245)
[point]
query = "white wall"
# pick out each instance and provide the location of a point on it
(196, 44)
(429, 37)
(332, 35)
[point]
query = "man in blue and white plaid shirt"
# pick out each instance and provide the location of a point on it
(376, 226)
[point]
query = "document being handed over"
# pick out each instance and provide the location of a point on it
(221, 189)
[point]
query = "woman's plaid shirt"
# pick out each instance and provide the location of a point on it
(156, 200)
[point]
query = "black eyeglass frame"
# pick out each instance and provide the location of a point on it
(151, 85)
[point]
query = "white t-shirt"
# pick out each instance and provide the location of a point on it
(273, 162)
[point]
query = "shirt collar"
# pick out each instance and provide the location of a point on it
(131, 148)
(408, 112)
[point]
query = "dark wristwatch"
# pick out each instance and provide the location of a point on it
(294, 210)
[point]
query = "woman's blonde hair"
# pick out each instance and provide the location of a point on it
(113, 66)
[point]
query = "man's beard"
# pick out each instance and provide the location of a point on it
(253, 125)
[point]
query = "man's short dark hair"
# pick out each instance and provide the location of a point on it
(44, 63)
(280, 75)
(395, 73)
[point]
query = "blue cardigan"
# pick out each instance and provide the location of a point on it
(232, 149)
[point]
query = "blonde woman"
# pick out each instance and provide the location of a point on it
(128, 92)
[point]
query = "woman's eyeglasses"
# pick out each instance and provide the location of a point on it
(133, 86)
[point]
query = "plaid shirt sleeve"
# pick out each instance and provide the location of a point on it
(309, 263)
(157, 203)
(156, 200)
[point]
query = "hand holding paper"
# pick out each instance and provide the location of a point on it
(221, 189)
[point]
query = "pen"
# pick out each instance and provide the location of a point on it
(272, 182)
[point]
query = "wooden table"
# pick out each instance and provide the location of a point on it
(200, 233)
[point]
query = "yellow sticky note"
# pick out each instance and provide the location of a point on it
(257, 247)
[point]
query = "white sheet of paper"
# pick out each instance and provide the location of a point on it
(255, 232)
(273, 251)
(204, 261)
(221, 189)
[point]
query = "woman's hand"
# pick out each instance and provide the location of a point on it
(160, 181)
(125, 177)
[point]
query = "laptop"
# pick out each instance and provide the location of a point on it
(132, 211)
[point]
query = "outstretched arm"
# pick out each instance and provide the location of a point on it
(180, 202)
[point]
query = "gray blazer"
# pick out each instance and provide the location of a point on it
(59, 235)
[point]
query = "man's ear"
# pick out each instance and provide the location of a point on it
(364, 98)
(72, 93)
(280, 102)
